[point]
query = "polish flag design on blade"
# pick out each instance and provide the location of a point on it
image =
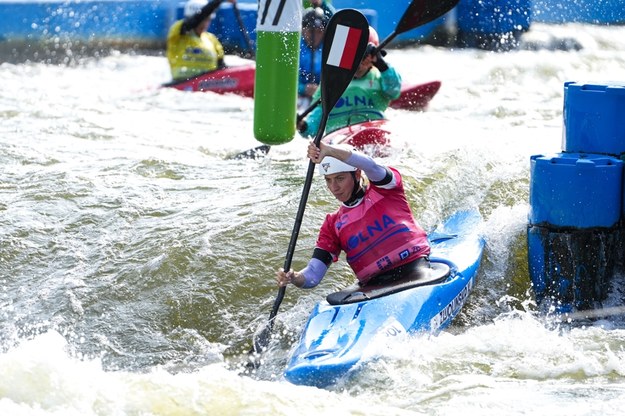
(344, 45)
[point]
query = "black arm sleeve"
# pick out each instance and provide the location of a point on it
(387, 179)
(323, 256)
(191, 22)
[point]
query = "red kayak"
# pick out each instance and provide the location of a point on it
(239, 80)
(416, 97)
(371, 137)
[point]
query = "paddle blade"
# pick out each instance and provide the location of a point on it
(420, 12)
(261, 341)
(344, 45)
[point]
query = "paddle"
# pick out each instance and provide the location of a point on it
(418, 13)
(250, 46)
(335, 77)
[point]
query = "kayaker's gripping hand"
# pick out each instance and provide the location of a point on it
(377, 57)
(314, 152)
(293, 277)
(379, 61)
(302, 126)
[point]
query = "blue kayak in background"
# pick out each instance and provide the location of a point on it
(341, 329)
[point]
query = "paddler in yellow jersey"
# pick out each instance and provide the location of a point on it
(191, 50)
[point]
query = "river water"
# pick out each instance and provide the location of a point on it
(137, 257)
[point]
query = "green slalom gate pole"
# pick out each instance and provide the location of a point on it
(278, 31)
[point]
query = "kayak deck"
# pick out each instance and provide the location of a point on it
(357, 293)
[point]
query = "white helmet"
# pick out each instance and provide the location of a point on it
(192, 7)
(330, 165)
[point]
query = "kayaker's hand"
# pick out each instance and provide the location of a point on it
(365, 65)
(302, 126)
(379, 62)
(315, 153)
(296, 278)
(374, 56)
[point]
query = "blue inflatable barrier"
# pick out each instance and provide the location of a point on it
(601, 12)
(577, 203)
(128, 21)
(492, 24)
(573, 233)
(575, 190)
(593, 118)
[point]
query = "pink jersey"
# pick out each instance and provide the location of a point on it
(377, 235)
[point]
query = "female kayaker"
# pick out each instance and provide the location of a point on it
(375, 85)
(191, 50)
(374, 225)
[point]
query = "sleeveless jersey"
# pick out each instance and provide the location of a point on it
(377, 235)
(189, 54)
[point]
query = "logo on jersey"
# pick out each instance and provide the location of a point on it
(354, 101)
(374, 230)
(342, 221)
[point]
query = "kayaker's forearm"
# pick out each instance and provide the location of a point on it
(373, 170)
(313, 273)
(191, 22)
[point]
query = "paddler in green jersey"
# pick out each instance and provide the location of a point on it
(191, 50)
(375, 85)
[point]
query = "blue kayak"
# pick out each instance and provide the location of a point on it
(340, 329)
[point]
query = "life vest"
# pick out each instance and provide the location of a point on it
(377, 235)
(189, 54)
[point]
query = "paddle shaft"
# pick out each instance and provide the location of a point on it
(310, 108)
(295, 232)
(237, 14)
